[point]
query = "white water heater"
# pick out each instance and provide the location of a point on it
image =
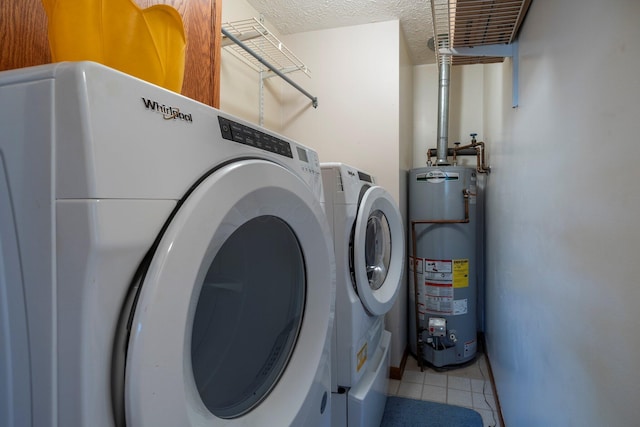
(443, 263)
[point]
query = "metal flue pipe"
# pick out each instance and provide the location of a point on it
(443, 101)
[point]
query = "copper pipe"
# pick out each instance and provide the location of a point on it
(415, 297)
(479, 146)
(466, 194)
(462, 147)
(482, 168)
(465, 152)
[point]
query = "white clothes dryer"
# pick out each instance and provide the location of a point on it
(369, 245)
(161, 263)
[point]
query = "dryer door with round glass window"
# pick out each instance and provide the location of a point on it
(378, 250)
(234, 313)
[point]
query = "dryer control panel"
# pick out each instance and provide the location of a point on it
(246, 135)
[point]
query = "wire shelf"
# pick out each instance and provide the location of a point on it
(257, 37)
(472, 23)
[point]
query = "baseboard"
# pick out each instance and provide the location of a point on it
(395, 373)
(491, 378)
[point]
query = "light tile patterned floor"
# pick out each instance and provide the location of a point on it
(468, 386)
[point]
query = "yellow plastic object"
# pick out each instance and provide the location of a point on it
(146, 43)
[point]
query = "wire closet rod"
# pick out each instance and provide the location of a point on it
(314, 100)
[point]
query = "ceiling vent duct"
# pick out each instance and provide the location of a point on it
(468, 24)
(444, 78)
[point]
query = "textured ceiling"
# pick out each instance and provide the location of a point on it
(296, 16)
(464, 23)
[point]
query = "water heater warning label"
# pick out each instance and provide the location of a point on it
(460, 273)
(438, 267)
(416, 269)
(438, 298)
(438, 286)
(440, 278)
(470, 347)
(460, 306)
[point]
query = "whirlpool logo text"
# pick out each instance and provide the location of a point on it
(168, 113)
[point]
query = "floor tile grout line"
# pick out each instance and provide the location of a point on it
(470, 374)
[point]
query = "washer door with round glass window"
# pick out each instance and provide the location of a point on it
(234, 315)
(378, 251)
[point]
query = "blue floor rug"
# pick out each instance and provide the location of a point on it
(401, 412)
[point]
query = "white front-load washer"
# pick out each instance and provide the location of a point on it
(369, 245)
(161, 263)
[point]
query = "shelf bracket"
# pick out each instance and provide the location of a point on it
(240, 39)
(505, 50)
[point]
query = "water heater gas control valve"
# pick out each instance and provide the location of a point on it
(437, 327)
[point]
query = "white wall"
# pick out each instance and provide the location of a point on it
(355, 75)
(362, 76)
(563, 205)
(240, 84)
(396, 319)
